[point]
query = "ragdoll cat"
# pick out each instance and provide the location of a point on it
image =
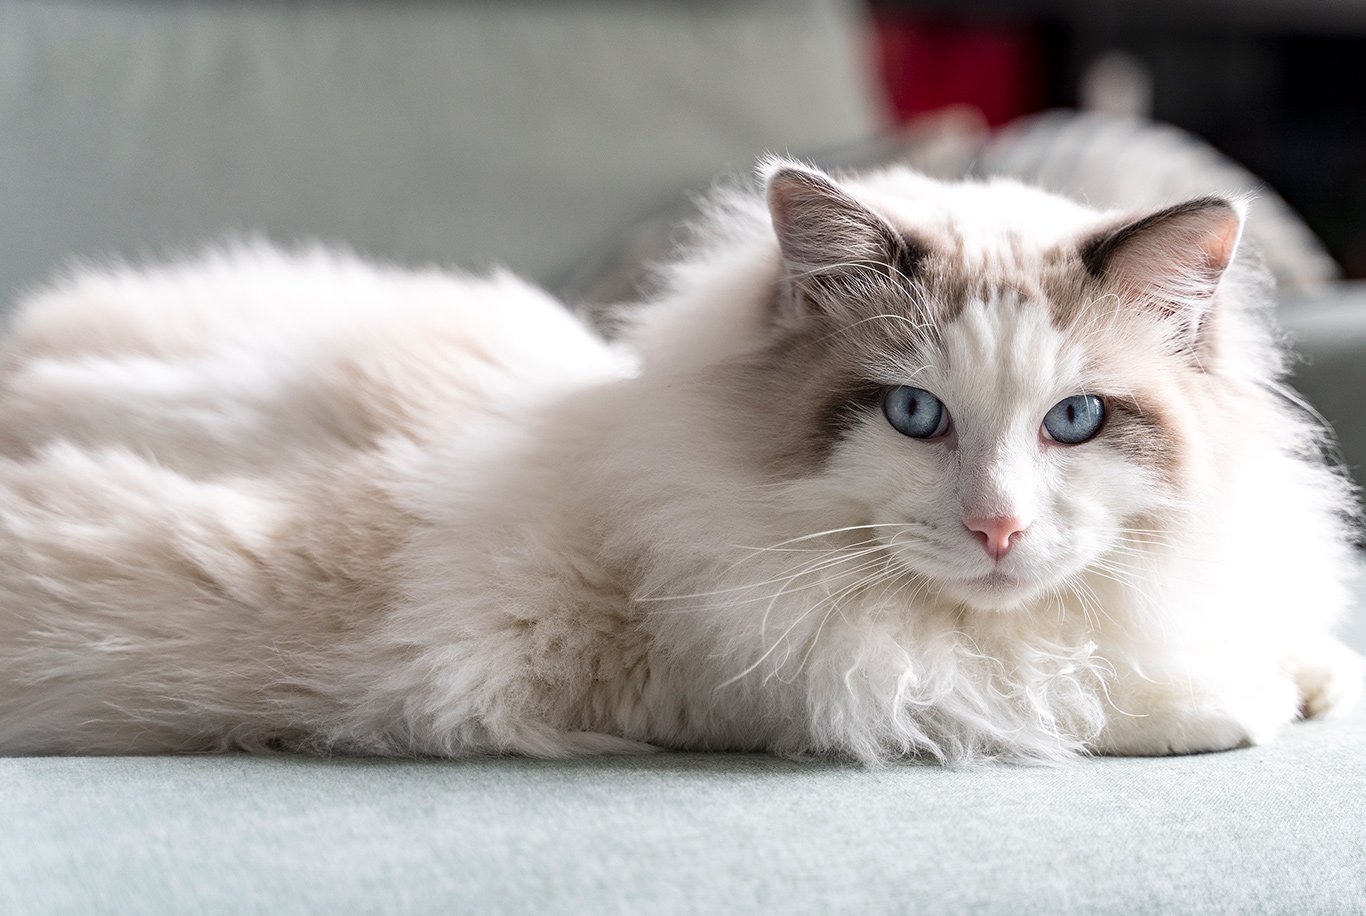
(895, 468)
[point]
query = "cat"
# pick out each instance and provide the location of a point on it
(893, 468)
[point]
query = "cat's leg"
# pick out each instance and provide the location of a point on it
(1329, 677)
(1196, 709)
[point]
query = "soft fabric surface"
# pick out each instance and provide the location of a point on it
(518, 133)
(1276, 829)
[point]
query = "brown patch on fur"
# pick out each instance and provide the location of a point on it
(1143, 432)
(948, 289)
(787, 397)
(845, 406)
(1071, 295)
(800, 395)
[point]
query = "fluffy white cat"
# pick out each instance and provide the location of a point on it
(895, 468)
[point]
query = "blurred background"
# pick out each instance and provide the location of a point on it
(526, 133)
(1274, 84)
(564, 138)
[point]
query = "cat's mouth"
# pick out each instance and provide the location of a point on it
(996, 590)
(983, 585)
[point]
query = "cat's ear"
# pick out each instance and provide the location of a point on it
(1171, 260)
(834, 248)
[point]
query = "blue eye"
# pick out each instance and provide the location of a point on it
(1074, 420)
(915, 412)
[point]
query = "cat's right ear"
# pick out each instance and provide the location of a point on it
(835, 250)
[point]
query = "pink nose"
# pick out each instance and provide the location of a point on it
(996, 534)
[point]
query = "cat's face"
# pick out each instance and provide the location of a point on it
(1008, 411)
(1041, 459)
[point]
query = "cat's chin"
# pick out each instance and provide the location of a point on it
(995, 592)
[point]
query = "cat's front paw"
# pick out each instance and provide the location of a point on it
(1329, 677)
(1159, 720)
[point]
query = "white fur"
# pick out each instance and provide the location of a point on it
(263, 499)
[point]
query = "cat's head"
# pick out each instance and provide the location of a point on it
(1010, 384)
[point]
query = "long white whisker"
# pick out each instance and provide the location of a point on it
(813, 567)
(782, 636)
(763, 623)
(817, 534)
(836, 605)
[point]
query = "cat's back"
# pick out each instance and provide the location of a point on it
(250, 357)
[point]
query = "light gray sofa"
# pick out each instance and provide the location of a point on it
(529, 133)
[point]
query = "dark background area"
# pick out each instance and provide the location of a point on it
(1279, 86)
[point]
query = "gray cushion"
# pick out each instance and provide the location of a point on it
(462, 133)
(1275, 829)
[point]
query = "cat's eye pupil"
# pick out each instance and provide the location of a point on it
(1074, 420)
(915, 412)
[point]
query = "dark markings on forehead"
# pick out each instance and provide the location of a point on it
(946, 291)
(1070, 292)
(899, 321)
(810, 386)
(950, 279)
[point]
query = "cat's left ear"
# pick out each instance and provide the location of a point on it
(834, 248)
(1171, 260)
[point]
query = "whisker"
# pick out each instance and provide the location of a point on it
(817, 534)
(804, 549)
(810, 568)
(788, 631)
(763, 623)
(836, 605)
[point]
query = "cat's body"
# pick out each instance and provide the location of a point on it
(264, 500)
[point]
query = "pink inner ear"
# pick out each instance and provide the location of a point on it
(1173, 259)
(1222, 242)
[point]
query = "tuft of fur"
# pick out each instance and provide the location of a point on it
(268, 500)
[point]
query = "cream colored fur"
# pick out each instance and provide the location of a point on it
(268, 500)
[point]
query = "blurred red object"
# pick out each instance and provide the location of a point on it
(930, 63)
